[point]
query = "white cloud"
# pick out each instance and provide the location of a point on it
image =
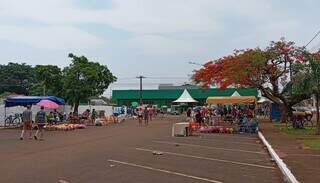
(139, 16)
(148, 19)
(50, 37)
(48, 11)
(158, 45)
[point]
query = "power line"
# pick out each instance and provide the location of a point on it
(166, 77)
(316, 35)
(173, 77)
(145, 83)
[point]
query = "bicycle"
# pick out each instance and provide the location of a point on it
(13, 121)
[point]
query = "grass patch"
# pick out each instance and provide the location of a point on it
(312, 143)
(296, 132)
(306, 135)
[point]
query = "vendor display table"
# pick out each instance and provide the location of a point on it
(180, 129)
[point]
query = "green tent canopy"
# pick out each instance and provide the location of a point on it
(134, 104)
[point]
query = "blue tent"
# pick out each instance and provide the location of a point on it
(30, 100)
(275, 112)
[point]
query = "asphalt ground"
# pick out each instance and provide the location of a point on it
(125, 153)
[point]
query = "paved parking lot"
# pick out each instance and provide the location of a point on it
(128, 153)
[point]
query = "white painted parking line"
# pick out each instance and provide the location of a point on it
(230, 137)
(208, 147)
(221, 136)
(214, 140)
(164, 171)
(206, 158)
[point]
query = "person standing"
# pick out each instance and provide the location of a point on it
(27, 122)
(189, 117)
(140, 116)
(93, 116)
(41, 121)
(51, 118)
(198, 117)
(150, 113)
(146, 116)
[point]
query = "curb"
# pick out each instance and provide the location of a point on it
(289, 177)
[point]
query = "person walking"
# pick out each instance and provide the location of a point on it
(140, 116)
(150, 113)
(41, 121)
(27, 122)
(146, 116)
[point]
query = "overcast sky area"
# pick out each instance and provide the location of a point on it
(154, 38)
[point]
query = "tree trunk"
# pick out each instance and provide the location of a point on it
(76, 106)
(317, 111)
(284, 111)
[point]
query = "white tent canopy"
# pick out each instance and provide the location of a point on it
(185, 98)
(235, 94)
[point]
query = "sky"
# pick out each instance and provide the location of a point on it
(154, 38)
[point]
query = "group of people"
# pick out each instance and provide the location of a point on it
(145, 114)
(264, 109)
(235, 114)
(55, 117)
(248, 124)
(40, 121)
(200, 115)
(86, 117)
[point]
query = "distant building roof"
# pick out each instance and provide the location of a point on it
(173, 87)
(97, 102)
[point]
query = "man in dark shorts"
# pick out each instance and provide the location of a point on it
(41, 121)
(27, 122)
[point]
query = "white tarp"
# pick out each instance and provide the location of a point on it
(185, 98)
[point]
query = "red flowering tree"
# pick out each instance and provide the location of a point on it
(268, 70)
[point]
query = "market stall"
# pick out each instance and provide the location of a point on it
(232, 100)
(30, 100)
(236, 114)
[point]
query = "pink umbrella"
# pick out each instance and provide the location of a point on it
(48, 104)
(140, 107)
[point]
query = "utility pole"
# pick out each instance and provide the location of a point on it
(141, 77)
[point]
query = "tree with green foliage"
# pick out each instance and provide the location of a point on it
(16, 78)
(308, 81)
(83, 79)
(48, 80)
